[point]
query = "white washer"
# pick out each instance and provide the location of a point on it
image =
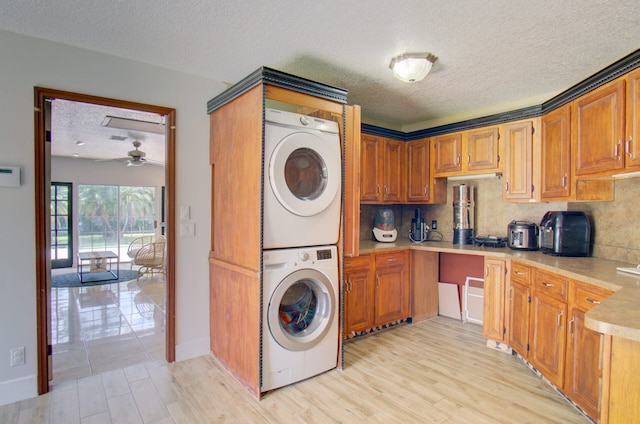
(300, 326)
(302, 180)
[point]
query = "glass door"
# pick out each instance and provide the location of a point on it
(61, 230)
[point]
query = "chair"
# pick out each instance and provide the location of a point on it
(136, 244)
(150, 258)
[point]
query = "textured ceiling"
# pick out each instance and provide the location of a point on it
(491, 53)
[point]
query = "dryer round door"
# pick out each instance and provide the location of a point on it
(301, 309)
(305, 172)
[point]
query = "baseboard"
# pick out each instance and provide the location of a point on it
(18, 389)
(193, 349)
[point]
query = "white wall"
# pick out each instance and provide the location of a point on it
(27, 62)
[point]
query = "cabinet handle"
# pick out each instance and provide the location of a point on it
(350, 285)
(560, 318)
(518, 272)
(617, 150)
(628, 147)
(506, 186)
(469, 159)
(595, 302)
(510, 293)
(377, 281)
(378, 188)
(544, 283)
(426, 190)
(486, 272)
(571, 326)
(458, 160)
(564, 181)
(386, 190)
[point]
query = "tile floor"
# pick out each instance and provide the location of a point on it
(102, 328)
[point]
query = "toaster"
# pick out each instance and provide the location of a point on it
(565, 233)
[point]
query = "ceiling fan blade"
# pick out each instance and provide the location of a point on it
(113, 159)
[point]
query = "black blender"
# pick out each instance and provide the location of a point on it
(419, 229)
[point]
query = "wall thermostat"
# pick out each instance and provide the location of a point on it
(9, 176)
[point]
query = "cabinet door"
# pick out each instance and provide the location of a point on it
(392, 294)
(393, 171)
(518, 327)
(598, 129)
(584, 365)
(556, 154)
(493, 311)
(447, 153)
(548, 336)
(632, 143)
(358, 299)
(369, 169)
(518, 168)
(418, 171)
(483, 149)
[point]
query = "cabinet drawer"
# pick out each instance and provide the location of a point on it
(552, 285)
(363, 261)
(520, 273)
(586, 296)
(390, 259)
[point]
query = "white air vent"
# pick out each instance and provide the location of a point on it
(117, 138)
(133, 124)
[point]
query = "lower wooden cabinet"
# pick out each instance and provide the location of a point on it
(517, 305)
(376, 290)
(493, 316)
(584, 366)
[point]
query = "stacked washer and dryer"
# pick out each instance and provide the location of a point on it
(301, 217)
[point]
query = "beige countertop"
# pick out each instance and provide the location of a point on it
(619, 315)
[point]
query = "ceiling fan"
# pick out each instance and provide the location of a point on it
(136, 157)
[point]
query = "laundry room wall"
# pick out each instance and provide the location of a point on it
(28, 62)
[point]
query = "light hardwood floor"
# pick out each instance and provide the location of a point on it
(436, 371)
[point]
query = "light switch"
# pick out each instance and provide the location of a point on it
(185, 213)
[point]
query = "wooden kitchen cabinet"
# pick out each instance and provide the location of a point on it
(421, 186)
(447, 153)
(584, 361)
(606, 126)
(522, 162)
(469, 152)
(556, 154)
(493, 317)
(483, 149)
(392, 294)
(376, 291)
(548, 325)
(381, 169)
(358, 294)
(518, 302)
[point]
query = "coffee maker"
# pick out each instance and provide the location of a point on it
(463, 214)
(419, 230)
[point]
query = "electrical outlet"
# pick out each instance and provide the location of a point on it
(17, 356)
(434, 225)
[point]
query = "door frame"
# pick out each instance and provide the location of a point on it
(42, 214)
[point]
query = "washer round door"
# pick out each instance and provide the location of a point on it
(301, 309)
(305, 172)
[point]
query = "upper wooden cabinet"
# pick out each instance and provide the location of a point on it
(556, 154)
(447, 153)
(467, 152)
(381, 169)
(605, 126)
(521, 168)
(422, 187)
(483, 146)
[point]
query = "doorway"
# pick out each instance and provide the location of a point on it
(42, 158)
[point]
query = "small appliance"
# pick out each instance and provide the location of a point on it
(490, 241)
(463, 214)
(384, 227)
(565, 233)
(522, 235)
(419, 230)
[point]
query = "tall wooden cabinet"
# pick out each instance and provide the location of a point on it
(421, 186)
(235, 256)
(556, 154)
(521, 168)
(518, 301)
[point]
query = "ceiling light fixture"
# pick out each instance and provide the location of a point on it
(412, 67)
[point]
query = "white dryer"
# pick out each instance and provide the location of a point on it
(300, 326)
(302, 180)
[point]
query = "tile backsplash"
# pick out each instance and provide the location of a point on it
(616, 232)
